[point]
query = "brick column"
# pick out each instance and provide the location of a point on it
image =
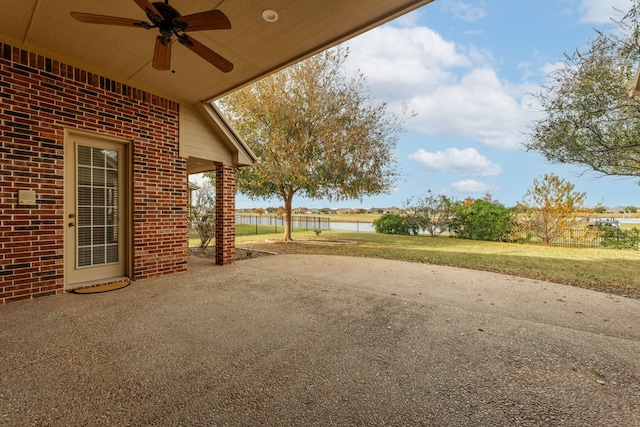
(225, 214)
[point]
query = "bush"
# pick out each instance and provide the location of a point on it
(394, 224)
(206, 229)
(483, 220)
(620, 239)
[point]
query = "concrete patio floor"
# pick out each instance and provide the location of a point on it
(310, 340)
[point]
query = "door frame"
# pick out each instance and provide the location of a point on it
(127, 212)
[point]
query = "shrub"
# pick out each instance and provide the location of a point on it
(206, 229)
(394, 224)
(483, 220)
(620, 239)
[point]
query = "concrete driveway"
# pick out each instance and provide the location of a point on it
(307, 340)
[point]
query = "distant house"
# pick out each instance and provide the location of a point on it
(192, 187)
(344, 211)
(299, 211)
(392, 210)
(617, 209)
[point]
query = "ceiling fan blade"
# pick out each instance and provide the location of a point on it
(162, 55)
(109, 20)
(151, 12)
(206, 53)
(209, 20)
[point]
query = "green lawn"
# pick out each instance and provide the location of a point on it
(243, 230)
(607, 270)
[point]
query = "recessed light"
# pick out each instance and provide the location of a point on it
(270, 15)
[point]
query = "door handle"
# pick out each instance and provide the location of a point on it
(72, 224)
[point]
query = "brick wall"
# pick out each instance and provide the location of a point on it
(225, 214)
(39, 97)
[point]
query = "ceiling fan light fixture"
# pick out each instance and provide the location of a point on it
(270, 15)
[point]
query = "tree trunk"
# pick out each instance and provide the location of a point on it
(288, 199)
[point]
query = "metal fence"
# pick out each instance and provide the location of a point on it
(274, 224)
(590, 238)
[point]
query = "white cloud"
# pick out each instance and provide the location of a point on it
(454, 89)
(465, 11)
(467, 161)
(400, 62)
(479, 106)
(470, 186)
(550, 68)
(601, 11)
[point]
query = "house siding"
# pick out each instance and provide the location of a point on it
(39, 99)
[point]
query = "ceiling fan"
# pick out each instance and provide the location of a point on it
(170, 23)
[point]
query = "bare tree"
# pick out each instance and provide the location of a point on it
(203, 213)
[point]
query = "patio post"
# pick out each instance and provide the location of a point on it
(225, 214)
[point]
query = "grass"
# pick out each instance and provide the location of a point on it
(606, 270)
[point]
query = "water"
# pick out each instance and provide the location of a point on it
(359, 227)
(628, 220)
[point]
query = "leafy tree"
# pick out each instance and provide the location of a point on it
(600, 209)
(631, 209)
(432, 212)
(553, 208)
(394, 224)
(590, 118)
(483, 219)
(316, 132)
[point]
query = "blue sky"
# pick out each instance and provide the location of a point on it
(467, 68)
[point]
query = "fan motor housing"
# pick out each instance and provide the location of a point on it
(167, 27)
(166, 10)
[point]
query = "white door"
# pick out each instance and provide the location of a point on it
(95, 209)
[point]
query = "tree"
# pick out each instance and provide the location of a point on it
(553, 208)
(482, 219)
(316, 133)
(203, 213)
(432, 212)
(600, 209)
(590, 118)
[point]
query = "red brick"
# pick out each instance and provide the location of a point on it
(160, 216)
